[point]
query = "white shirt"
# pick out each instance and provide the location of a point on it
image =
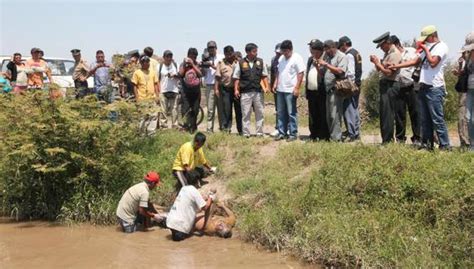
(312, 78)
(209, 77)
(406, 73)
(167, 84)
(435, 76)
(350, 74)
(135, 197)
(183, 212)
(288, 70)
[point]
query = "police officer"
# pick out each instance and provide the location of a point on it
(248, 75)
(389, 86)
(80, 74)
(351, 104)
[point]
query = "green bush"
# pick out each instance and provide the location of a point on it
(65, 159)
(370, 93)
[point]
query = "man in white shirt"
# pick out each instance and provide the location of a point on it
(432, 87)
(183, 213)
(134, 206)
(287, 85)
(209, 64)
(167, 73)
(316, 93)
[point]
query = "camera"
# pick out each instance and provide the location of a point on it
(206, 59)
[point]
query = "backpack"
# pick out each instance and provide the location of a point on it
(191, 79)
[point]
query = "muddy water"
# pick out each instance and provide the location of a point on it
(43, 245)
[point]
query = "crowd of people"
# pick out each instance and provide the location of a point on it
(410, 79)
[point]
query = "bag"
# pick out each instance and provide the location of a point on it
(346, 87)
(461, 84)
(191, 79)
(417, 72)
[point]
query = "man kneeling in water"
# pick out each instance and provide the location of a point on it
(188, 203)
(217, 225)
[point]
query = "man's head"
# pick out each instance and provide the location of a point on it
(316, 48)
(145, 62)
(148, 51)
(100, 56)
(429, 34)
(223, 230)
(278, 50)
(384, 42)
(212, 48)
(192, 53)
(76, 54)
(330, 47)
(286, 48)
(468, 47)
(229, 53)
(344, 43)
(238, 55)
(199, 140)
(35, 53)
(252, 50)
(396, 41)
(152, 179)
(167, 57)
(17, 58)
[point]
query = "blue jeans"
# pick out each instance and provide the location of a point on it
(431, 100)
(470, 116)
(287, 115)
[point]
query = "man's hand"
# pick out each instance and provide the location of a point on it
(237, 94)
(296, 92)
(374, 59)
(322, 62)
(423, 47)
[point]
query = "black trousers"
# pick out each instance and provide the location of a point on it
(190, 108)
(407, 98)
(389, 92)
(229, 102)
(318, 126)
(82, 88)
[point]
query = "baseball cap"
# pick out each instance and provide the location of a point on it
(426, 31)
(33, 50)
(144, 58)
(211, 44)
(167, 53)
(277, 48)
(152, 176)
(316, 44)
(469, 44)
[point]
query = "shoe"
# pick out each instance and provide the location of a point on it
(445, 148)
(291, 139)
(275, 133)
(260, 135)
(279, 137)
(246, 135)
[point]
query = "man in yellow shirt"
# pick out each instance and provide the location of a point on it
(190, 156)
(145, 82)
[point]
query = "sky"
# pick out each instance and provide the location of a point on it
(120, 26)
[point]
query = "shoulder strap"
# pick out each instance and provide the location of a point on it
(432, 47)
(159, 71)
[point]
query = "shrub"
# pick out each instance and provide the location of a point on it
(65, 159)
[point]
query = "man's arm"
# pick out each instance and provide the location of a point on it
(409, 63)
(433, 60)
(275, 83)
(296, 91)
(230, 220)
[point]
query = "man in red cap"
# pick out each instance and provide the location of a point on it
(134, 207)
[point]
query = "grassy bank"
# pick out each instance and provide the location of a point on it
(336, 204)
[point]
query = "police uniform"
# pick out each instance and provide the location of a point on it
(80, 74)
(389, 88)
